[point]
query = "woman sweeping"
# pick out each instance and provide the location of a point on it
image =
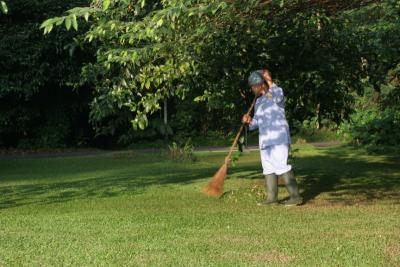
(274, 137)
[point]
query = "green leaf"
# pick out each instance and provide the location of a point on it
(86, 16)
(160, 22)
(44, 24)
(106, 4)
(59, 21)
(48, 28)
(68, 23)
(47, 25)
(141, 124)
(74, 22)
(4, 7)
(147, 84)
(199, 98)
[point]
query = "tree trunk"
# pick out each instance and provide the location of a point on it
(165, 112)
(318, 126)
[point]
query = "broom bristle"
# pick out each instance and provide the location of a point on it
(216, 186)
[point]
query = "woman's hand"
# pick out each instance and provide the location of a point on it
(267, 77)
(246, 119)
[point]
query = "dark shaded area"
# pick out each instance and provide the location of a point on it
(347, 179)
(38, 105)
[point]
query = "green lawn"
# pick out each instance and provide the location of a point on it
(135, 209)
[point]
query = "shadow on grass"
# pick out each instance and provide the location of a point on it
(341, 176)
(348, 177)
(113, 184)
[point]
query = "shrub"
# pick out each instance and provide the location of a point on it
(372, 127)
(182, 152)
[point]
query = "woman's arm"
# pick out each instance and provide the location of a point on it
(253, 124)
(277, 93)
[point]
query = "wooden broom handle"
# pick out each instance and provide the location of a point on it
(241, 128)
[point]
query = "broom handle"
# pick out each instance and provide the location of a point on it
(241, 128)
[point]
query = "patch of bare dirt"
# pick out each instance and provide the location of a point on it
(392, 251)
(326, 143)
(44, 153)
(269, 256)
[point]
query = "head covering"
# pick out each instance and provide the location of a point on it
(256, 78)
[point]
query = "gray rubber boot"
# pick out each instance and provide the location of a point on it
(271, 181)
(292, 188)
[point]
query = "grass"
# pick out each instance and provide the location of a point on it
(136, 208)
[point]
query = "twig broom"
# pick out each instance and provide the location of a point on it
(216, 186)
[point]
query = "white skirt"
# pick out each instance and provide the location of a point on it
(274, 159)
